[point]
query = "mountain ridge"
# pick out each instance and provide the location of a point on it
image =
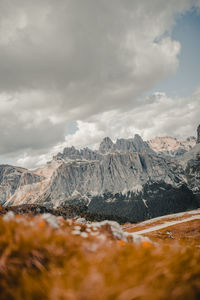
(126, 177)
(171, 146)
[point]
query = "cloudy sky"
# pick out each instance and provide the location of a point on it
(74, 71)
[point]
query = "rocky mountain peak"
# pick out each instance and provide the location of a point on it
(106, 145)
(140, 145)
(124, 145)
(198, 134)
(171, 146)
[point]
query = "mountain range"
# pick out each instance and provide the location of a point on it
(131, 178)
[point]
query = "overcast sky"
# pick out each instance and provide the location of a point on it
(74, 71)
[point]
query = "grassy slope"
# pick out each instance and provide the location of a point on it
(40, 262)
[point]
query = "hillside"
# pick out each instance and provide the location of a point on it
(74, 259)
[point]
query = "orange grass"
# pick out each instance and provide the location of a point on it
(39, 262)
(187, 232)
(142, 225)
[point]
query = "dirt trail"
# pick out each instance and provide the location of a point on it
(166, 224)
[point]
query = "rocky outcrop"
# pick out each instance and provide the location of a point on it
(170, 146)
(192, 171)
(12, 178)
(106, 145)
(136, 144)
(198, 135)
(71, 153)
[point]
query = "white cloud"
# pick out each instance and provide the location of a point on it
(80, 60)
(157, 115)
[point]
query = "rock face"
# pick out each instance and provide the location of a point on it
(106, 145)
(12, 178)
(198, 135)
(170, 146)
(115, 172)
(124, 145)
(126, 178)
(191, 160)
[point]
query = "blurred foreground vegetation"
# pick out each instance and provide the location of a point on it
(39, 261)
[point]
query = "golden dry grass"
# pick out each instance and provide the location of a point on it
(143, 225)
(40, 262)
(187, 232)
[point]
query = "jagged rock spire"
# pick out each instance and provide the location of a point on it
(106, 145)
(198, 134)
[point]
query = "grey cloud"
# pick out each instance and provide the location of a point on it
(158, 115)
(84, 44)
(16, 138)
(69, 60)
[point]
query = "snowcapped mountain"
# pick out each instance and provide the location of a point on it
(130, 178)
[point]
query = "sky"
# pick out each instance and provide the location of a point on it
(186, 78)
(73, 72)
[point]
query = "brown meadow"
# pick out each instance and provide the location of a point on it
(38, 261)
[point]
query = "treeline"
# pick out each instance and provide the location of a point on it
(155, 200)
(67, 212)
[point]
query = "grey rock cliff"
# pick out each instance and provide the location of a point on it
(11, 178)
(106, 145)
(198, 135)
(126, 177)
(136, 144)
(116, 172)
